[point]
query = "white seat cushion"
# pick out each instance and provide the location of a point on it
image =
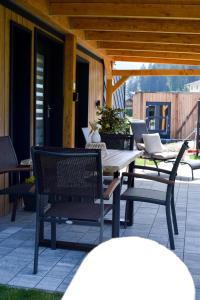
(152, 143)
(165, 155)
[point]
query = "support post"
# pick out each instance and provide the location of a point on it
(198, 129)
(109, 86)
(69, 89)
(109, 93)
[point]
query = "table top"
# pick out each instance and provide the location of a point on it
(115, 160)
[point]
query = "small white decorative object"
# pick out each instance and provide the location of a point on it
(95, 137)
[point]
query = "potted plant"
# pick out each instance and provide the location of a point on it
(113, 120)
(30, 200)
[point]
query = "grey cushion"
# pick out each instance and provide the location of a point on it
(152, 143)
(164, 155)
(143, 193)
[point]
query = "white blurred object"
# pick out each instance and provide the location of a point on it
(131, 268)
(86, 134)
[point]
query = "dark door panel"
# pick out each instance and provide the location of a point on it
(20, 89)
(81, 109)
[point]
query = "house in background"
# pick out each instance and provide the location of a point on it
(193, 86)
(173, 115)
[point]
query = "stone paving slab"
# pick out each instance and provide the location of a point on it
(57, 267)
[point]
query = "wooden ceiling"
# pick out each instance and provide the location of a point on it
(156, 31)
(135, 30)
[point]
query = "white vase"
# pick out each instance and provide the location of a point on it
(95, 137)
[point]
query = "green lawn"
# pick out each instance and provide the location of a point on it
(194, 157)
(7, 293)
(140, 162)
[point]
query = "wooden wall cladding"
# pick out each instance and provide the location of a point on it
(183, 110)
(95, 83)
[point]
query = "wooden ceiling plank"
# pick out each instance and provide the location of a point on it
(191, 2)
(189, 56)
(149, 10)
(149, 47)
(164, 38)
(153, 72)
(136, 25)
(156, 60)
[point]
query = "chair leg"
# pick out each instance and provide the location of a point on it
(53, 234)
(169, 226)
(174, 219)
(192, 174)
(14, 209)
(35, 267)
(156, 164)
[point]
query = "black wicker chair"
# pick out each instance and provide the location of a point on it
(72, 180)
(9, 165)
(158, 197)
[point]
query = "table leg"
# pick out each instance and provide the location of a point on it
(116, 212)
(130, 204)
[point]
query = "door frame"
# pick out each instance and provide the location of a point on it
(41, 33)
(163, 134)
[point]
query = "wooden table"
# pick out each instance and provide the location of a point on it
(115, 160)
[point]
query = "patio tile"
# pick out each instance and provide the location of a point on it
(57, 267)
(49, 283)
(61, 270)
(11, 230)
(28, 281)
(192, 261)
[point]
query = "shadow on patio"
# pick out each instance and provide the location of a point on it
(57, 267)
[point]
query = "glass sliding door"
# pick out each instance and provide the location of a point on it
(48, 90)
(158, 118)
(39, 107)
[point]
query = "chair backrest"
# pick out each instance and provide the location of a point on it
(8, 156)
(139, 127)
(86, 134)
(178, 159)
(68, 172)
(118, 141)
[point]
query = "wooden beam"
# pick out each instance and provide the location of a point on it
(187, 56)
(108, 68)
(152, 72)
(136, 25)
(109, 89)
(69, 89)
(41, 9)
(157, 60)
(149, 47)
(144, 37)
(129, 1)
(119, 83)
(149, 10)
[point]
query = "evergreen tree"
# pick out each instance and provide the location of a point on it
(160, 83)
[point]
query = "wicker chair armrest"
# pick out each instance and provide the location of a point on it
(149, 177)
(152, 169)
(19, 168)
(111, 188)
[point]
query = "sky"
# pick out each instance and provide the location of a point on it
(126, 65)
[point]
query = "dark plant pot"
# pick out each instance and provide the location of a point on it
(118, 141)
(29, 202)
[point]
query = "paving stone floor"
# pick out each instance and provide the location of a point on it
(57, 267)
